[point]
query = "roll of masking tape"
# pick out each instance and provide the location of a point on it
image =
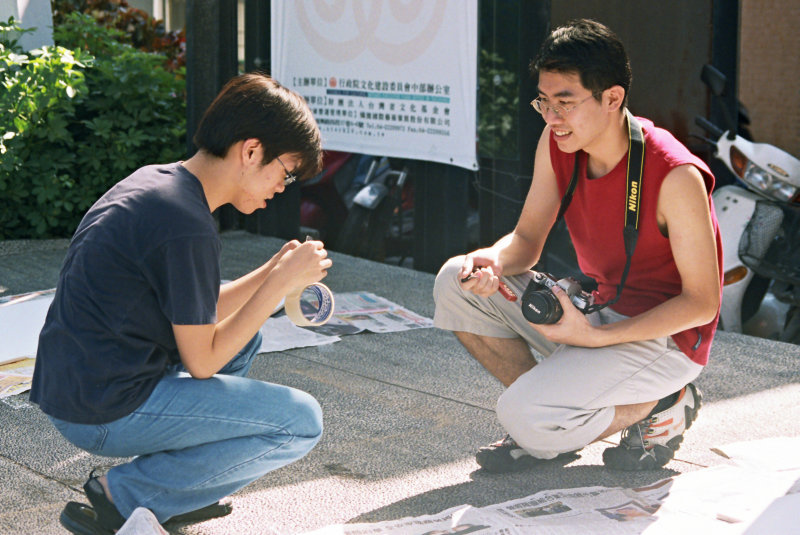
(318, 296)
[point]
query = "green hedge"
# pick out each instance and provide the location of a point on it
(498, 103)
(77, 117)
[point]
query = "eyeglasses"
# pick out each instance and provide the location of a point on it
(562, 111)
(290, 177)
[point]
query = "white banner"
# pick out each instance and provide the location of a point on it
(384, 77)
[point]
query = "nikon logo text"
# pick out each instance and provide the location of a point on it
(633, 197)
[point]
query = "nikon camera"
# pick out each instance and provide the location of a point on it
(541, 306)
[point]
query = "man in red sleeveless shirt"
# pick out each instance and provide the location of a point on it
(627, 367)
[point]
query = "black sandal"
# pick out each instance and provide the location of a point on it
(109, 517)
(81, 519)
(106, 512)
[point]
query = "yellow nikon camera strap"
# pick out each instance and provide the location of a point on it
(633, 195)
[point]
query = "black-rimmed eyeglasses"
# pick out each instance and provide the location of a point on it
(290, 177)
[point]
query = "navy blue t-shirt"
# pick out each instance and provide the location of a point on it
(144, 257)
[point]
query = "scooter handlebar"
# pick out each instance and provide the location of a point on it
(709, 127)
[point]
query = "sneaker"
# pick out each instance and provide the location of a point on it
(652, 443)
(505, 455)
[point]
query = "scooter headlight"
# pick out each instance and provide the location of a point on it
(766, 182)
(769, 184)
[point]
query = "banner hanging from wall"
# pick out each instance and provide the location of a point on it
(384, 77)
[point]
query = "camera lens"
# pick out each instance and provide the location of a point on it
(541, 307)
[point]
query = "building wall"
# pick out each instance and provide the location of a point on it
(769, 71)
(30, 14)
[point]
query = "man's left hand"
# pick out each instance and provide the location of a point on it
(573, 328)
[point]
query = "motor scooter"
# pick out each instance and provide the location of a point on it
(323, 207)
(379, 221)
(759, 218)
(360, 205)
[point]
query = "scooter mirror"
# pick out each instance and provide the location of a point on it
(714, 79)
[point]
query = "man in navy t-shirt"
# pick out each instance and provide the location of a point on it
(143, 354)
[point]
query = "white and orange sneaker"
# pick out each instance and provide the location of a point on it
(652, 443)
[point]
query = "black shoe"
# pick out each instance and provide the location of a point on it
(504, 456)
(652, 443)
(81, 519)
(111, 519)
(107, 514)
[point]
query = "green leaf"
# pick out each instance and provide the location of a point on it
(70, 126)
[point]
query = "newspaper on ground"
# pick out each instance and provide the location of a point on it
(16, 377)
(782, 516)
(366, 311)
(280, 334)
(726, 499)
(768, 454)
(354, 312)
(21, 318)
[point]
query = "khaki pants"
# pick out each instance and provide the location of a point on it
(567, 400)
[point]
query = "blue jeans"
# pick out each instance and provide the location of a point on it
(197, 441)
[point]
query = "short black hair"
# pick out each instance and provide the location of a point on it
(589, 49)
(256, 106)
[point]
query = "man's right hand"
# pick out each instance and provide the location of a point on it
(480, 273)
(302, 264)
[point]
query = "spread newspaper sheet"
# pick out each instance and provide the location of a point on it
(21, 319)
(353, 313)
(757, 492)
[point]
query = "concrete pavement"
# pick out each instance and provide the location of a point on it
(404, 414)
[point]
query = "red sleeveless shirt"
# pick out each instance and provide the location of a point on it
(596, 217)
